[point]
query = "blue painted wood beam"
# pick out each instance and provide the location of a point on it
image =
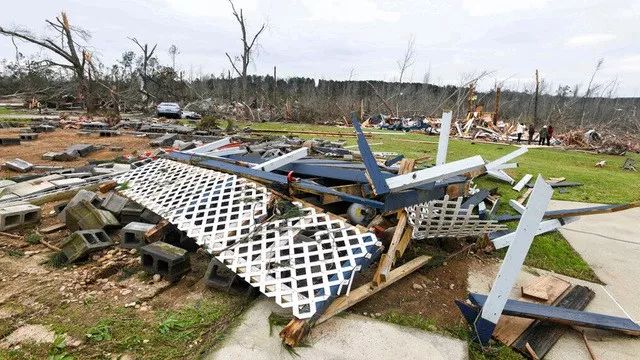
(375, 175)
(563, 315)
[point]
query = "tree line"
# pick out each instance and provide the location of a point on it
(70, 75)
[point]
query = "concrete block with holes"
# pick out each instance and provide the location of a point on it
(133, 235)
(220, 277)
(9, 141)
(131, 213)
(28, 136)
(14, 216)
(80, 195)
(164, 140)
(114, 203)
(84, 242)
(167, 260)
(85, 216)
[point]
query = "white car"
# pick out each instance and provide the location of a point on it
(170, 110)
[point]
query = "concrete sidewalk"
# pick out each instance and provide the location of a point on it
(350, 337)
(610, 243)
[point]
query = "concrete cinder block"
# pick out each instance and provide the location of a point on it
(85, 216)
(13, 216)
(167, 260)
(133, 235)
(81, 195)
(82, 149)
(42, 128)
(220, 277)
(164, 140)
(150, 217)
(109, 133)
(114, 203)
(130, 213)
(9, 141)
(28, 136)
(18, 165)
(81, 243)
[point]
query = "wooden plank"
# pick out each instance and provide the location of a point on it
(387, 260)
(542, 336)
(509, 328)
(404, 241)
(560, 315)
(524, 196)
(352, 189)
(545, 288)
(344, 302)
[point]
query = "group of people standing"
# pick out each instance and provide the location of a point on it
(544, 135)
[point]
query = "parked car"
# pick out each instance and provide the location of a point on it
(169, 109)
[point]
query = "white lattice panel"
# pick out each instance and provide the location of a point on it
(445, 218)
(301, 261)
(214, 208)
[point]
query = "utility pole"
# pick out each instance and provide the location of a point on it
(535, 101)
(275, 86)
(496, 113)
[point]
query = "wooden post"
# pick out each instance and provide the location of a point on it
(535, 102)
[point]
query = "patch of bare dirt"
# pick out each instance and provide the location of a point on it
(61, 139)
(428, 292)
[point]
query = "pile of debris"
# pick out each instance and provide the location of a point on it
(592, 140)
(300, 221)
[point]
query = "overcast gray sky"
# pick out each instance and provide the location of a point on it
(332, 39)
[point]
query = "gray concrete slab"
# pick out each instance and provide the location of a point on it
(350, 337)
(610, 243)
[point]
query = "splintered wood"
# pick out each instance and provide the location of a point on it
(509, 328)
(399, 241)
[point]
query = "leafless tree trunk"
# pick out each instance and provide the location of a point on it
(535, 101)
(247, 49)
(589, 90)
(407, 61)
(143, 71)
(74, 54)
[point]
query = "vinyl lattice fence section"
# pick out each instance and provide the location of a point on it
(300, 261)
(446, 218)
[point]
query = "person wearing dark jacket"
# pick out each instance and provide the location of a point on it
(543, 135)
(549, 134)
(532, 131)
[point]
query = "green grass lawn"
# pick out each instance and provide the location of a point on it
(550, 251)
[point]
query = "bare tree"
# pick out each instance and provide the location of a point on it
(248, 43)
(589, 90)
(75, 55)
(143, 72)
(407, 61)
(173, 51)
